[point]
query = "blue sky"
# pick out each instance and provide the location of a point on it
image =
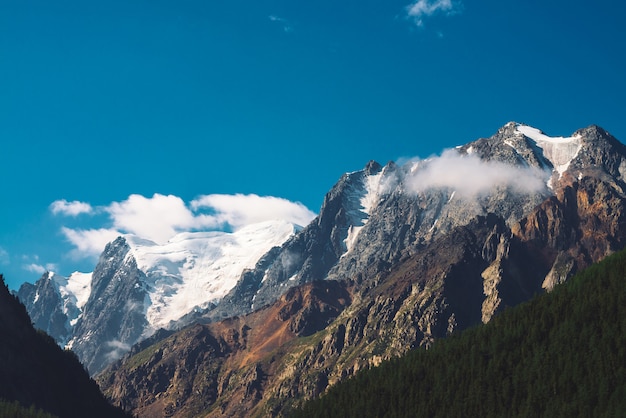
(113, 110)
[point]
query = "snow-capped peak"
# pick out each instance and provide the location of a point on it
(363, 198)
(194, 269)
(560, 151)
(74, 291)
(79, 285)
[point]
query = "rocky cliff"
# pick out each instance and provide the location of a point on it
(113, 318)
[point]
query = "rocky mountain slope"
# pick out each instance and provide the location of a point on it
(409, 254)
(35, 371)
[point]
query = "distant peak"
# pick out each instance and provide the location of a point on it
(593, 132)
(135, 241)
(505, 131)
(121, 240)
(115, 246)
(372, 167)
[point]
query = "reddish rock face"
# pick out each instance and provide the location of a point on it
(585, 221)
(223, 367)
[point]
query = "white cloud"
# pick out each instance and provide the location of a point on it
(89, 243)
(240, 210)
(158, 218)
(35, 268)
(117, 349)
(421, 9)
(40, 269)
(470, 176)
(74, 208)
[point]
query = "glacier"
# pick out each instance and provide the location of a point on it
(195, 269)
(560, 151)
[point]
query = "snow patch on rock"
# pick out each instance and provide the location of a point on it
(560, 151)
(363, 199)
(74, 291)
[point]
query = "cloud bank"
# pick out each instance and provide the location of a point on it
(426, 8)
(161, 217)
(471, 177)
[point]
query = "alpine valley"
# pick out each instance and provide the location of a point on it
(253, 322)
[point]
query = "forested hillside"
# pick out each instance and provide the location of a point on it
(15, 410)
(563, 354)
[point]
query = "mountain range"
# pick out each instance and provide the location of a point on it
(399, 256)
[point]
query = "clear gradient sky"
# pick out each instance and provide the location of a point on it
(159, 113)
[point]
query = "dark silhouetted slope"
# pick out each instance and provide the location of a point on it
(35, 371)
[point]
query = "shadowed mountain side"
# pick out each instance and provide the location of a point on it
(35, 371)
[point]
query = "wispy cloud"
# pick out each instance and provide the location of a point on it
(160, 217)
(116, 349)
(35, 268)
(89, 243)
(472, 177)
(421, 9)
(4, 257)
(39, 268)
(286, 25)
(74, 208)
(240, 210)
